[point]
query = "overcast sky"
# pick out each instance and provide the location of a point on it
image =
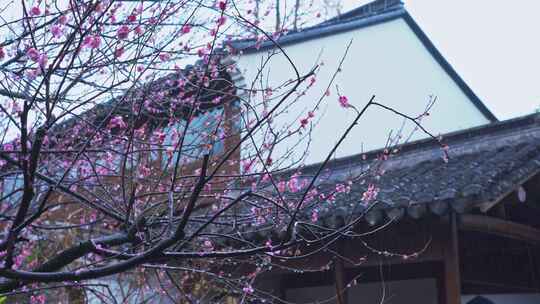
(494, 45)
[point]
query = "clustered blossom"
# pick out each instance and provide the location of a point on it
(63, 20)
(248, 289)
(344, 101)
(247, 165)
(208, 246)
(295, 184)
(314, 215)
(92, 41)
(119, 52)
(40, 58)
(370, 194)
(132, 18)
(138, 30)
(282, 186)
(39, 299)
(164, 56)
(305, 121)
(186, 29)
(56, 31)
(35, 11)
(117, 122)
(221, 21)
(343, 188)
(222, 5)
(33, 54)
(260, 215)
(123, 32)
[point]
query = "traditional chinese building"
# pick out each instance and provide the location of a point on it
(445, 229)
(461, 231)
(439, 232)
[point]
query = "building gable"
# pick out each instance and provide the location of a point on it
(389, 57)
(370, 14)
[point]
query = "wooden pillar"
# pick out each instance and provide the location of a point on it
(339, 274)
(341, 291)
(282, 292)
(500, 211)
(450, 277)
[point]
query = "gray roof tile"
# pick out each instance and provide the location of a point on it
(485, 163)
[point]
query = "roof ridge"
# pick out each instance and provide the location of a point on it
(369, 10)
(376, 7)
(316, 31)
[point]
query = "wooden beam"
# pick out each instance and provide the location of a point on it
(484, 207)
(451, 273)
(500, 227)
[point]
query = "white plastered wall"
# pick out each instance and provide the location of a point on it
(386, 60)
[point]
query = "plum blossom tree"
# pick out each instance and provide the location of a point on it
(120, 171)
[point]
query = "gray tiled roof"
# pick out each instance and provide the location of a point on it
(486, 163)
(221, 86)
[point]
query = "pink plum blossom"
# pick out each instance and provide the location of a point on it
(56, 31)
(92, 41)
(304, 122)
(222, 5)
(344, 101)
(63, 20)
(123, 32)
(208, 246)
(43, 60)
(32, 74)
(186, 29)
(33, 54)
(370, 194)
(35, 11)
(294, 184)
(138, 30)
(119, 52)
(164, 56)
(117, 122)
(39, 299)
(221, 20)
(248, 289)
(314, 216)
